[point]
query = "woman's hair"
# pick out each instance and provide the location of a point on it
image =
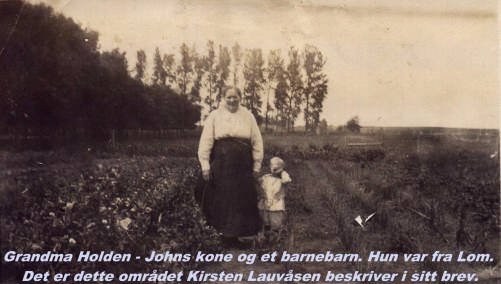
(227, 88)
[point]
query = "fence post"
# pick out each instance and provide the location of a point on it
(418, 142)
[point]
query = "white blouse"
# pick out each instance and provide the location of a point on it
(221, 123)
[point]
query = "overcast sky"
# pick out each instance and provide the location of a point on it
(393, 63)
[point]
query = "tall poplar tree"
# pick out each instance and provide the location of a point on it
(140, 65)
(275, 72)
(159, 73)
(237, 60)
(199, 69)
(281, 100)
(170, 69)
(315, 86)
(223, 70)
(211, 81)
(295, 88)
(254, 82)
(185, 69)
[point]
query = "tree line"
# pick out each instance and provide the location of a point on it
(285, 88)
(54, 80)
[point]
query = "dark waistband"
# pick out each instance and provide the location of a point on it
(243, 141)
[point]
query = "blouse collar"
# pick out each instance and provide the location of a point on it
(225, 107)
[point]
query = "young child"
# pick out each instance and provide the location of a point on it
(272, 202)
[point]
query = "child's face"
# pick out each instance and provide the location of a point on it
(275, 168)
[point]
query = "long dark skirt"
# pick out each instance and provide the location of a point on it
(229, 199)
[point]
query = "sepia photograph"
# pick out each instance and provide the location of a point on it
(249, 141)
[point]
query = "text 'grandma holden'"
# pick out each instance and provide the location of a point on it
(87, 256)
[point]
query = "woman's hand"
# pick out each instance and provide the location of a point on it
(206, 175)
(255, 174)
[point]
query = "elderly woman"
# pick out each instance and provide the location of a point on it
(230, 154)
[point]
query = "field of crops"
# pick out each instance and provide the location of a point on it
(137, 197)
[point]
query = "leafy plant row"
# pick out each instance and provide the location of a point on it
(129, 205)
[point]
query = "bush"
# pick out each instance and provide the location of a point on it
(353, 124)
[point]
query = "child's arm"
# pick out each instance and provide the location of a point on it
(284, 176)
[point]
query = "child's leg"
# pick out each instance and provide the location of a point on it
(276, 223)
(262, 236)
(265, 217)
(276, 219)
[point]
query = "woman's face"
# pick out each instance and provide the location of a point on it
(232, 100)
